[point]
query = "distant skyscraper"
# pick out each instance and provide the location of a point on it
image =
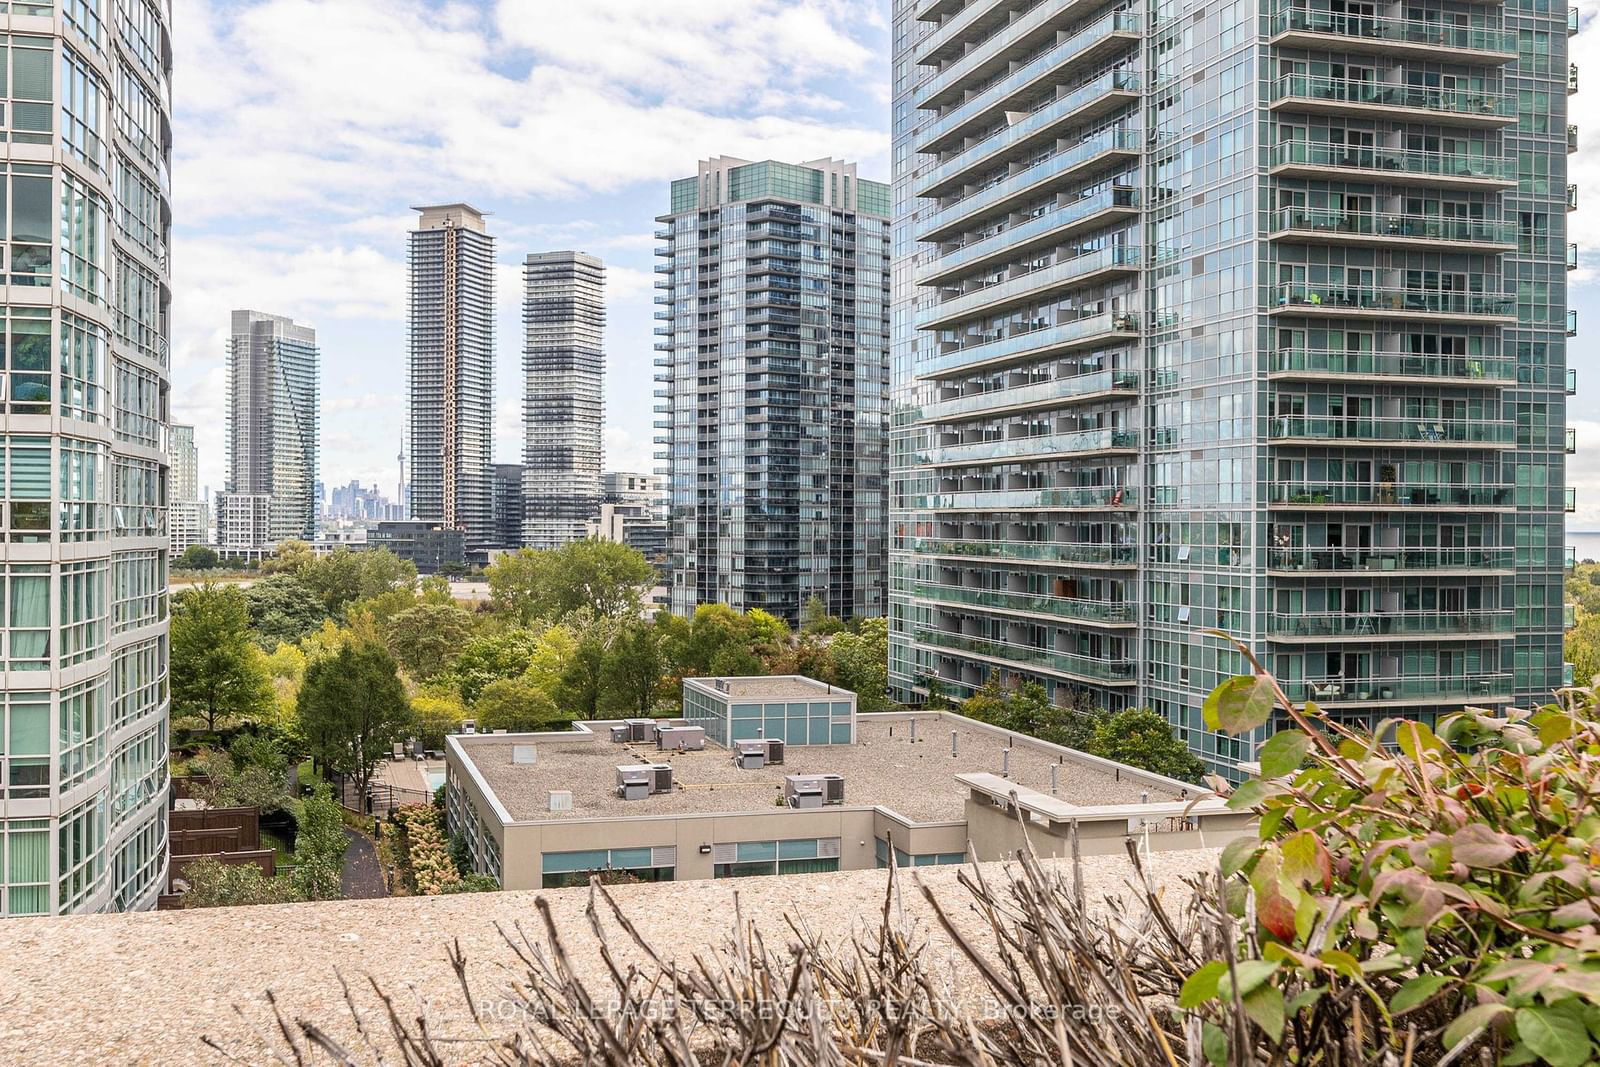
(274, 403)
(188, 522)
(563, 365)
(185, 464)
(776, 370)
(508, 505)
(450, 370)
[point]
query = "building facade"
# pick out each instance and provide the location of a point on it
(563, 399)
(432, 546)
(1230, 319)
(273, 430)
(83, 770)
(773, 380)
(508, 505)
(450, 370)
(188, 518)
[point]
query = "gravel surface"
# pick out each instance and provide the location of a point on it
(142, 989)
(882, 768)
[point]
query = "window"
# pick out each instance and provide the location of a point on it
(25, 745)
(30, 62)
(82, 108)
(811, 855)
(138, 683)
(27, 606)
(139, 863)
(83, 369)
(82, 732)
(83, 490)
(80, 853)
(84, 215)
(138, 404)
(82, 610)
(138, 774)
(27, 339)
(646, 864)
(139, 590)
(25, 866)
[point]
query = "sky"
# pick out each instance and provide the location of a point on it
(306, 128)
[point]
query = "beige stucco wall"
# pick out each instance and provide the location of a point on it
(997, 835)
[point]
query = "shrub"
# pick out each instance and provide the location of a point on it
(429, 867)
(213, 884)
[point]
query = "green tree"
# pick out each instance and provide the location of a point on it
(344, 576)
(197, 558)
(1583, 647)
(517, 705)
(427, 638)
(241, 778)
(988, 704)
(579, 692)
(633, 668)
(217, 885)
(282, 611)
(1141, 738)
(217, 672)
(814, 618)
(439, 711)
(352, 709)
(860, 663)
(290, 557)
(550, 584)
(319, 846)
(489, 657)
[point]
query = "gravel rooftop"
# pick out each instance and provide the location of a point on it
(777, 687)
(144, 988)
(882, 768)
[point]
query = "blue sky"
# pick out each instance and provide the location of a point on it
(305, 129)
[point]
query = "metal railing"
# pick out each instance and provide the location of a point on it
(1389, 494)
(1033, 603)
(1373, 298)
(1049, 552)
(1395, 364)
(1376, 623)
(1380, 224)
(1399, 31)
(1466, 686)
(1389, 559)
(1065, 662)
(1383, 94)
(1373, 428)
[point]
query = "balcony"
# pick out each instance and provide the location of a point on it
(1078, 388)
(1090, 213)
(1331, 299)
(1426, 560)
(1344, 625)
(1569, 616)
(1334, 365)
(1572, 21)
(1438, 689)
(1572, 139)
(1086, 668)
(1042, 446)
(1059, 169)
(1567, 671)
(990, 352)
(1090, 101)
(1432, 433)
(1086, 498)
(1322, 160)
(1572, 381)
(1571, 441)
(1055, 607)
(1115, 30)
(1379, 35)
(1572, 78)
(1569, 500)
(1316, 94)
(1092, 555)
(1571, 558)
(1572, 256)
(1376, 229)
(1365, 496)
(975, 20)
(1572, 322)
(1572, 198)
(1081, 271)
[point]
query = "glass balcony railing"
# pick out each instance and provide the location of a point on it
(1377, 28)
(1569, 616)
(1572, 256)
(1337, 297)
(1572, 139)
(1571, 557)
(1041, 118)
(1572, 78)
(1572, 322)
(1572, 198)
(1391, 364)
(992, 48)
(1034, 603)
(1572, 21)
(1572, 441)
(1567, 672)
(1089, 384)
(1012, 289)
(1086, 498)
(1006, 241)
(1378, 623)
(1572, 381)
(1385, 494)
(1046, 552)
(1442, 687)
(1417, 431)
(1064, 662)
(1390, 559)
(1374, 224)
(987, 350)
(1076, 156)
(1569, 500)
(1099, 440)
(1432, 164)
(1465, 102)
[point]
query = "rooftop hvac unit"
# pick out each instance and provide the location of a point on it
(681, 739)
(620, 734)
(661, 778)
(802, 790)
(634, 781)
(560, 800)
(640, 729)
(523, 754)
(775, 751)
(750, 755)
(832, 788)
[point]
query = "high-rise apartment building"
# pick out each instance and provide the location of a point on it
(1234, 318)
(450, 370)
(773, 380)
(508, 509)
(563, 403)
(187, 515)
(274, 408)
(83, 770)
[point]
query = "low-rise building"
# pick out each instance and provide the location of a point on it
(432, 546)
(667, 800)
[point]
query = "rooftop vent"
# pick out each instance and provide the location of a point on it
(661, 778)
(833, 788)
(775, 751)
(640, 729)
(523, 754)
(560, 800)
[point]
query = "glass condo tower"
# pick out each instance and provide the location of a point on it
(1248, 317)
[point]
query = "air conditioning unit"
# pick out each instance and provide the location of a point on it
(634, 781)
(775, 751)
(832, 788)
(750, 755)
(681, 739)
(661, 778)
(640, 729)
(620, 734)
(802, 790)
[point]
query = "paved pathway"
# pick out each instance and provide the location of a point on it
(362, 878)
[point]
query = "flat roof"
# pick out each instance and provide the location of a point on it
(776, 687)
(883, 768)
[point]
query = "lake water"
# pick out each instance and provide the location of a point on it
(1586, 543)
